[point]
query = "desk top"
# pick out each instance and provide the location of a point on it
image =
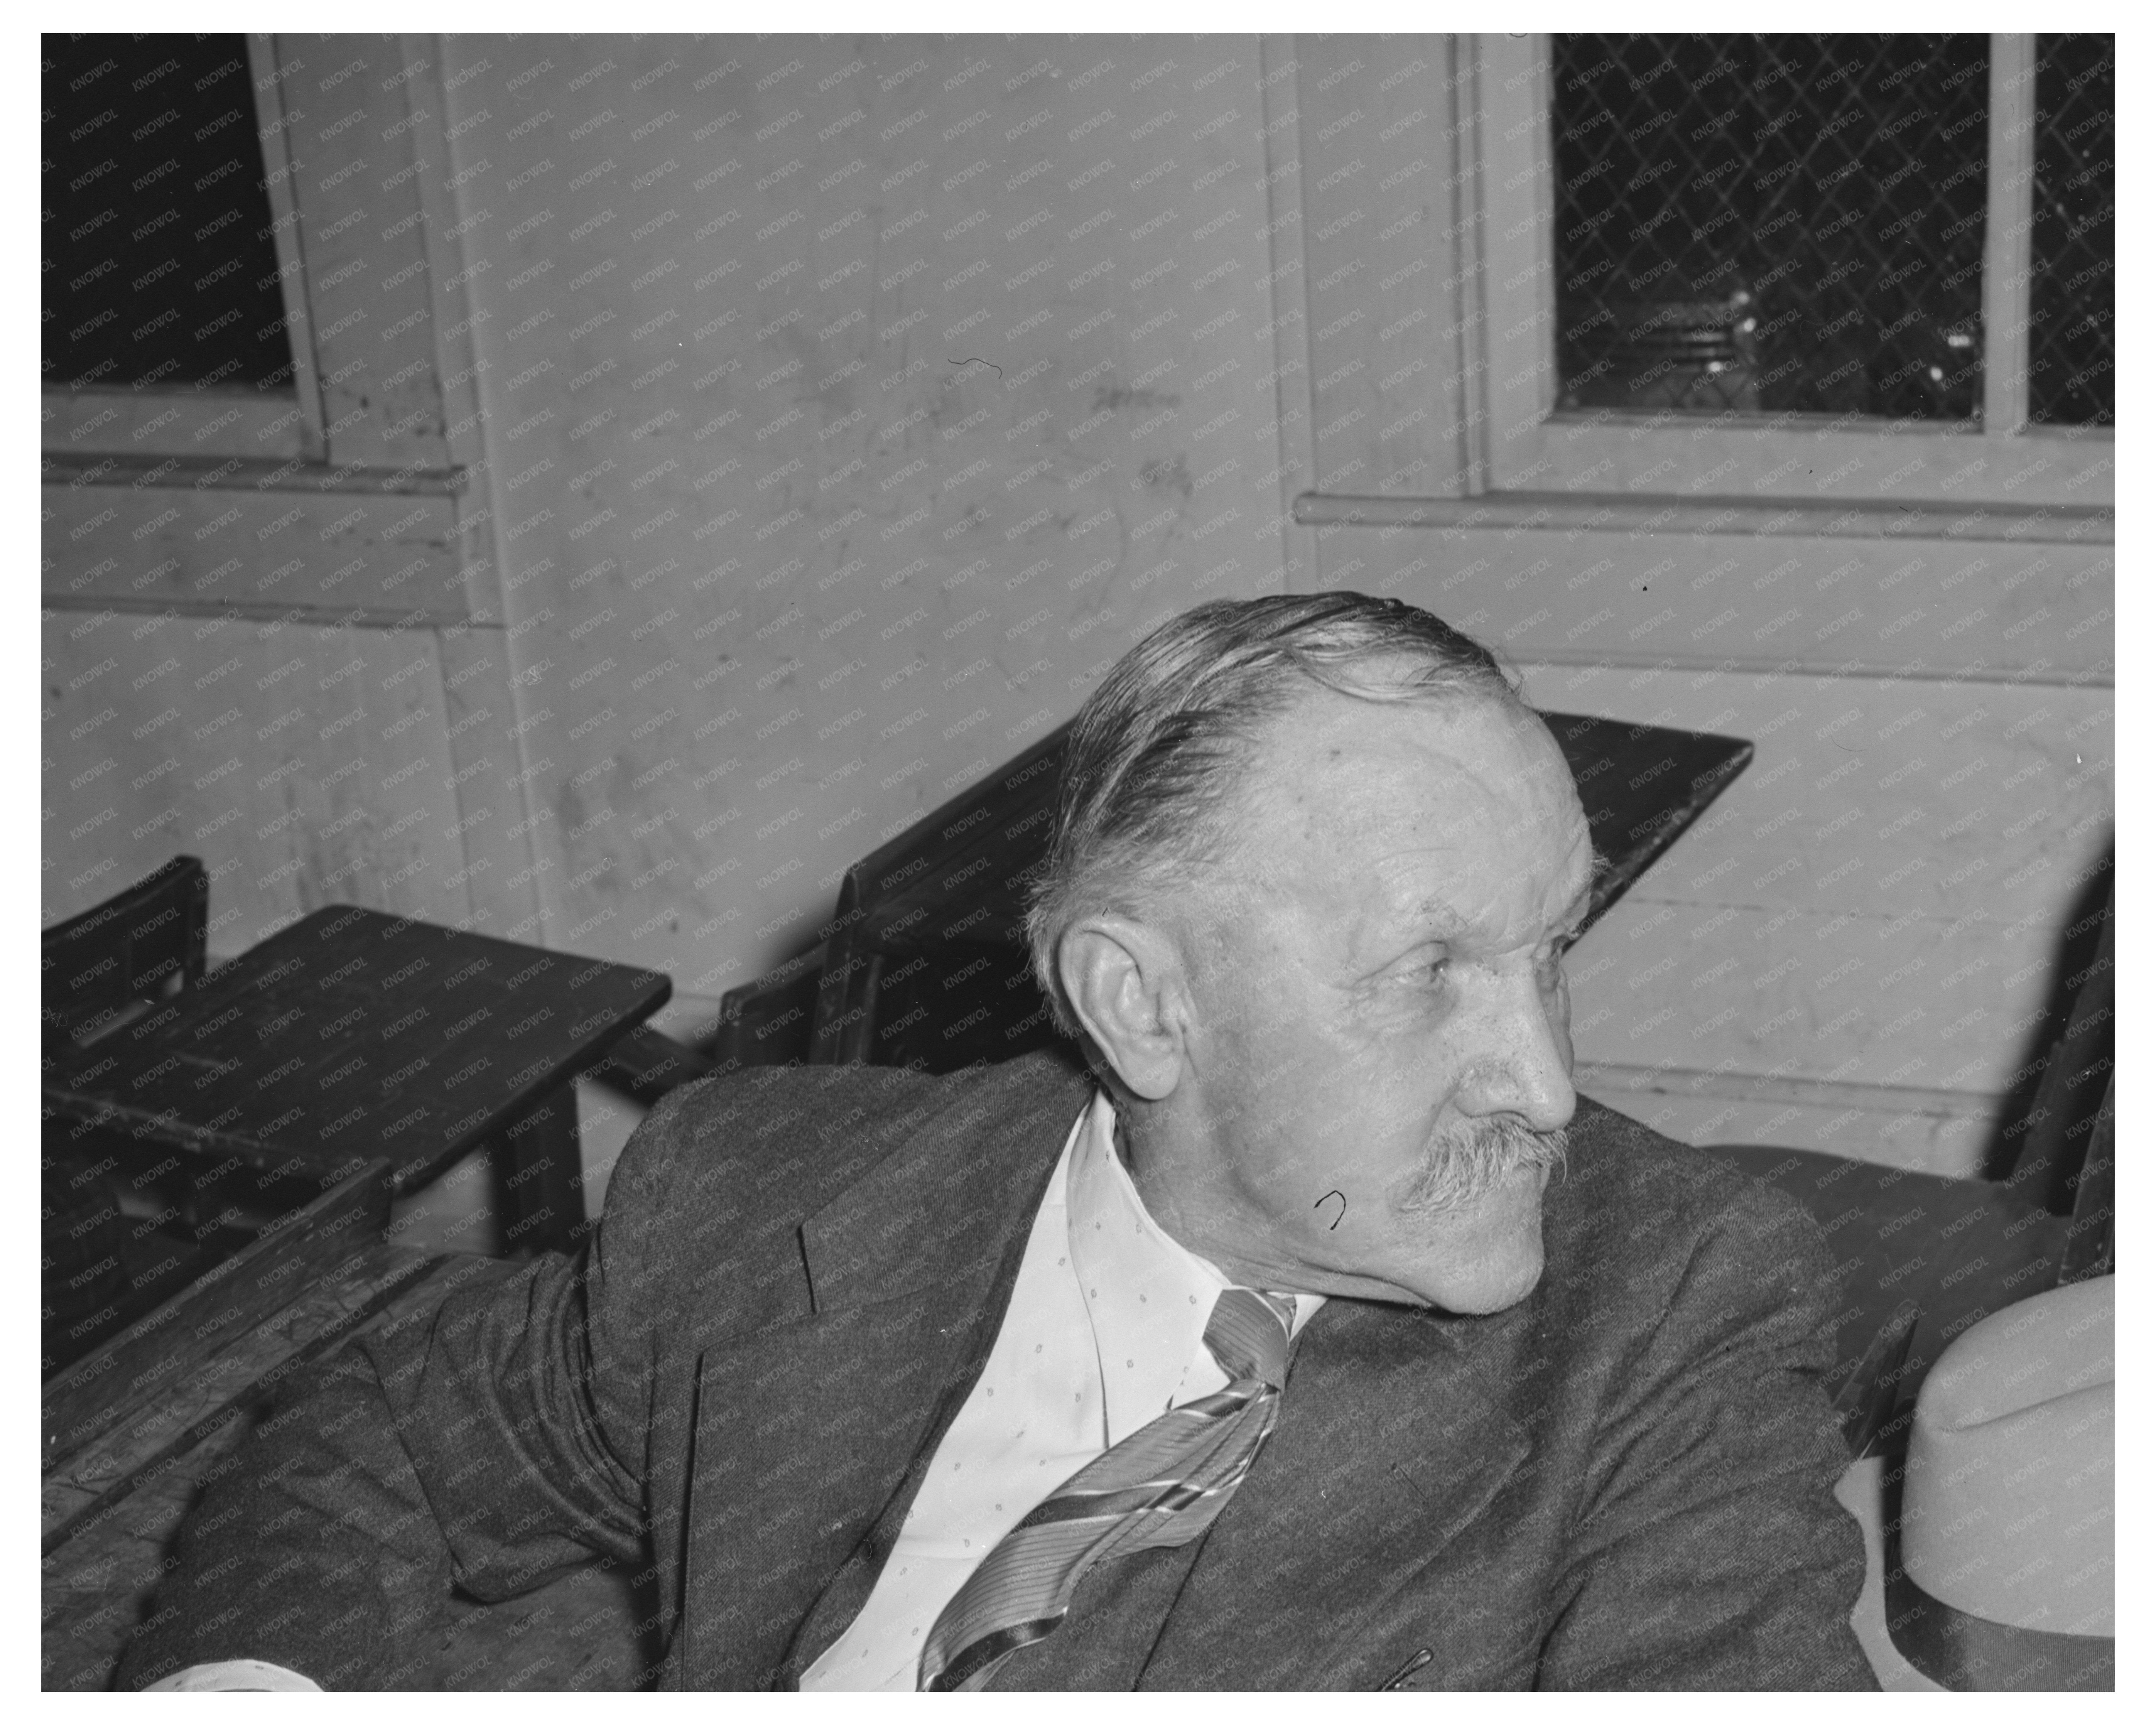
(1640, 786)
(352, 1033)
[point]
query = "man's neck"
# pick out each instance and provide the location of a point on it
(1138, 1149)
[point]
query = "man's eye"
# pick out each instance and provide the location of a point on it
(1429, 968)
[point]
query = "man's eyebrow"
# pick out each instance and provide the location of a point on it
(1435, 915)
(1441, 918)
(1583, 901)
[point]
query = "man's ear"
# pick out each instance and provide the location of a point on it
(1125, 982)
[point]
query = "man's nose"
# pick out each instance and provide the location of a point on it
(1519, 1061)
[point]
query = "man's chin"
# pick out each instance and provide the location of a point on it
(1494, 1259)
(1500, 1282)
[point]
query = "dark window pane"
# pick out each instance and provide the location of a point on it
(2070, 289)
(160, 262)
(1764, 223)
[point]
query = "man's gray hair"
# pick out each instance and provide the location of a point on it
(1158, 748)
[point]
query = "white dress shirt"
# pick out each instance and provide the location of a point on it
(1104, 1333)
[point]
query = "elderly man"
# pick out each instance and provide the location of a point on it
(1320, 1337)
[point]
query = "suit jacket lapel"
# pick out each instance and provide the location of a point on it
(1389, 1446)
(841, 1601)
(811, 1431)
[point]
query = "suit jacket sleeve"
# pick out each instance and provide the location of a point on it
(494, 1443)
(1711, 1553)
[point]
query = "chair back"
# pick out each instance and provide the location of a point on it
(2075, 1088)
(129, 949)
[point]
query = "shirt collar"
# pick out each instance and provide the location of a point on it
(1150, 1297)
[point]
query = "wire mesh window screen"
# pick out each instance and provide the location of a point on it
(2070, 289)
(1771, 224)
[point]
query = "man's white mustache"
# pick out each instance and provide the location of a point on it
(1468, 1162)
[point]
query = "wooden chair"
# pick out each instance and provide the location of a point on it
(768, 1022)
(646, 1063)
(1921, 1258)
(113, 963)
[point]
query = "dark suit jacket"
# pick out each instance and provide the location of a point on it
(1623, 1480)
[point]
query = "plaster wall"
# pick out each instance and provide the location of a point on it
(849, 405)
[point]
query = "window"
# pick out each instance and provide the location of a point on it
(158, 256)
(2069, 311)
(1810, 270)
(170, 269)
(1761, 223)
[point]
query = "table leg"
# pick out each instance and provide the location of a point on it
(539, 1164)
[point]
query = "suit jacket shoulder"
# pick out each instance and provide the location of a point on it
(1635, 1213)
(1690, 1307)
(720, 1177)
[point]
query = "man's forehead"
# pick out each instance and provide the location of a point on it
(1406, 806)
(1473, 760)
(1547, 870)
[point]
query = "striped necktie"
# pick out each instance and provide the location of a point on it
(1162, 1486)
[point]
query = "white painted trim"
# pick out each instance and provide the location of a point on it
(261, 611)
(2009, 215)
(265, 64)
(139, 425)
(1740, 518)
(1294, 452)
(1508, 163)
(1772, 1087)
(255, 472)
(1472, 359)
(469, 441)
(1704, 664)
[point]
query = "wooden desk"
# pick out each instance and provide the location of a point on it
(353, 1034)
(926, 960)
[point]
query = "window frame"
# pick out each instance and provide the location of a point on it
(1525, 444)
